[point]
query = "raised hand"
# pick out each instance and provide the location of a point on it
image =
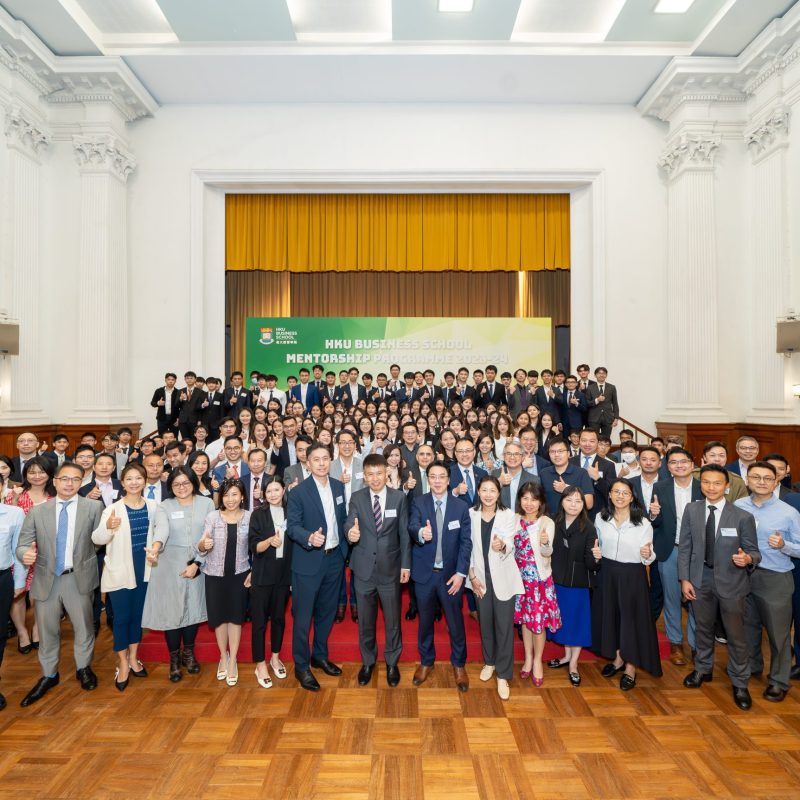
(776, 541)
(655, 506)
(594, 472)
(427, 531)
(29, 558)
(560, 484)
(317, 539)
(113, 522)
(597, 553)
(206, 544)
(741, 559)
(354, 534)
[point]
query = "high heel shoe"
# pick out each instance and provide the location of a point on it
(537, 682)
(142, 673)
(121, 685)
(25, 649)
(524, 674)
(222, 672)
(231, 680)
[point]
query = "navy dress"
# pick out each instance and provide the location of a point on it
(129, 603)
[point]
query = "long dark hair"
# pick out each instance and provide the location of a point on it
(276, 479)
(636, 511)
(496, 483)
(47, 466)
(560, 519)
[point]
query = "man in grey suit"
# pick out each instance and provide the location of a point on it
(717, 551)
(601, 399)
(511, 475)
(57, 537)
(297, 473)
(377, 529)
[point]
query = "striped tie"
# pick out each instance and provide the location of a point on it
(376, 511)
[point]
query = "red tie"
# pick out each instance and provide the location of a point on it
(235, 471)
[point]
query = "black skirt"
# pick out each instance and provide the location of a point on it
(621, 616)
(226, 599)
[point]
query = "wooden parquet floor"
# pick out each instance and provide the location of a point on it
(203, 739)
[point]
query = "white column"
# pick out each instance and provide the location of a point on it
(769, 277)
(23, 375)
(102, 378)
(693, 336)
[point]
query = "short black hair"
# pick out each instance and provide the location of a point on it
(374, 460)
(719, 469)
(681, 451)
(714, 443)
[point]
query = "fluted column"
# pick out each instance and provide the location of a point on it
(693, 344)
(23, 380)
(104, 164)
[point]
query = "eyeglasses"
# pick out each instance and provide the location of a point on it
(181, 484)
(761, 478)
(558, 452)
(621, 493)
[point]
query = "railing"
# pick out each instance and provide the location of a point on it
(640, 435)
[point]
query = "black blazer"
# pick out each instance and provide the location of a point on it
(268, 569)
(552, 406)
(347, 398)
(244, 400)
(607, 477)
(213, 412)
(666, 525)
(189, 409)
(483, 398)
(161, 394)
(572, 561)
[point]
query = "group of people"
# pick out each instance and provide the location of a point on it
(500, 493)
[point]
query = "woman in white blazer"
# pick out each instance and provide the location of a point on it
(495, 579)
(126, 529)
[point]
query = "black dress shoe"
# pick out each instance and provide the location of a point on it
(794, 674)
(555, 663)
(87, 678)
(774, 693)
(43, 686)
(392, 675)
(411, 614)
(365, 674)
(3, 703)
(34, 644)
(307, 680)
(142, 673)
(354, 613)
(26, 649)
(694, 680)
(340, 613)
(611, 669)
(626, 682)
(575, 678)
(121, 685)
(328, 667)
(742, 698)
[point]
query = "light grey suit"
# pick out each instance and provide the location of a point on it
(724, 587)
(75, 591)
(356, 474)
(505, 491)
(293, 473)
(376, 560)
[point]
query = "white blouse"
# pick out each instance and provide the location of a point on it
(623, 544)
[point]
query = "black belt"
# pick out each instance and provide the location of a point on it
(438, 569)
(67, 571)
(5, 571)
(330, 551)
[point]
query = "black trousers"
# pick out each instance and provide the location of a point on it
(267, 603)
(6, 599)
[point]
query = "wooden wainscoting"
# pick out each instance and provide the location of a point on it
(9, 433)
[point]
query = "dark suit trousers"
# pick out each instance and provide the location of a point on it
(435, 589)
(164, 425)
(314, 598)
(186, 429)
(267, 603)
(733, 613)
(6, 598)
(369, 593)
(796, 608)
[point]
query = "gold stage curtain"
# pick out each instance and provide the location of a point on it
(547, 294)
(397, 232)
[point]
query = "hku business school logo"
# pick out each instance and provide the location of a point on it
(266, 336)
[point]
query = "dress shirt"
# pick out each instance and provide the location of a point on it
(108, 492)
(265, 395)
(261, 479)
(381, 495)
(622, 544)
(533, 468)
(348, 487)
(290, 446)
(683, 496)
(329, 507)
(168, 400)
(513, 487)
(214, 448)
(719, 505)
(443, 500)
(775, 516)
(157, 492)
(72, 514)
(743, 469)
(11, 519)
(647, 492)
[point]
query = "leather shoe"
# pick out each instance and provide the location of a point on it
(794, 674)
(626, 682)
(340, 613)
(392, 674)
(611, 669)
(774, 693)
(354, 613)
(307, 680)
(365, 674)
(411, 614)
(421, 674)
(676, 655)
(694, 680)
(3, 703)
(87, 678)
(742, 698)
(462, 680)
(43, 686)
(328, 667)
(557, 663)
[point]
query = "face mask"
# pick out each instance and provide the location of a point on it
(628, 458)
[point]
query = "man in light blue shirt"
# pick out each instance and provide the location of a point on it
(11, 519)
(769, 603)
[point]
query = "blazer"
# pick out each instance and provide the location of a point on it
(346, 395)
(211, 414)
(607, 411)
(572, 416)
(666, 525)
(244, 400)
(456, 476)
(268, 569)
(456, 537)
(608, 474)
(356, 473)
(118, 571)
(115, 484)
(219, 471)
(40, 527)
(217, 528)
(189, 410)
(519, 400)
(427, 394)
(734, 468)
(281, 459)
(506, 580)
(483, 397)
(572, 561)
(312, 395)
(737, 528)
(379, 556)
(449, 394)
(505, 491)
(305, 515)
(375, 394)
(293, 473)
(161, 414)
(547, 404)
(469, 391)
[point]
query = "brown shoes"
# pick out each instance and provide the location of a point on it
(676, 655)
(421, 674)
(462, 681)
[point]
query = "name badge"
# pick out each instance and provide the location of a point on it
(176, 515)
(215, 403)
(359, 476)
(600, 473)
(391, 513)
(115, 493)
(7, 529)
(339, 501)
(453, 525)
(728, 532)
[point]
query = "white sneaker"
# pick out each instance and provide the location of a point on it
(486, 672)
(503, 689)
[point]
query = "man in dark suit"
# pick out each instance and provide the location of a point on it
(574, 411)
(601, 471)
(670, 498)
(717, 552)
(353, 392)
(463, 389)
(511, 475)
(377, 528)
(102, 485)
(381, 393)
(429, 391)
(190, 404)
(305, 391)
(464, 475)
(236, 397)
(601, 399)
(315, 523)
(491, 390)
(27, 447)
(283, 452)
(747, 450)
(406, 392)
(329, 391)
(584, 381)
(441, 532)
(519, 394)
(165, 401)
(547, 399)
(212, 409)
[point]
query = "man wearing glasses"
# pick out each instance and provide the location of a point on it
(57, 538)
(747, 450)
(561, 474)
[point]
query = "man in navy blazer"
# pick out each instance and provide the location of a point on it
(441, 531)
(312, 397)
(464, 475)
(547, 398)
(315, 523)
(352, 392)
(574, 411)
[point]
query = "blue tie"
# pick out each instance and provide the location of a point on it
(61, 537)
(586, 460)
(470, 486)
(151, 492)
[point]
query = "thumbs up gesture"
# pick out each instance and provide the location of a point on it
(646, 550)
(594, 472)
(345, 476)
(206, 544)
(559, 484)
(113, 522)
(597, 553)
(498, 545)
(95, 494)
(354, 534)
(655, 506)
(460, 489)
(544, 537)
(427, 531)
(29, 559)
(505, 477)
(776, 541)
(411, 482)
(741, 559)
(317, 539)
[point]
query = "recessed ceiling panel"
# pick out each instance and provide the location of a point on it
(341, 20)
(53, 25)
(126, 16)
(421, 20)
(229, 20)
(542, 19)
(740, 26)
(637, 22)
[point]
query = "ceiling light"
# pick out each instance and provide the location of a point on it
(460, 6)
(673, 6)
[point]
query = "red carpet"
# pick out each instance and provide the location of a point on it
(343, 642)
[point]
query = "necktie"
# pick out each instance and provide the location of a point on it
(61, 538)
(376, 512)
(569, 397)
(210, 398)
(602, 389)
(470, 485)
(256, 500)
(235, 471)
(711, 536)
(270, 396)
(424, 477)
(151, 492)
(439, 528)
(491, 389)
(586, 460)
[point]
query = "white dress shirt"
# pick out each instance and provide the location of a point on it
(72, 514)
(156, 494)
(682, 498)
(622, 544)
(329, 507)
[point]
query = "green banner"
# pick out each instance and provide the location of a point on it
(282, 345)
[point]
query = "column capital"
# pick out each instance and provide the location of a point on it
(694, 151)
(103, 153)
(24, 133)
(768, 134)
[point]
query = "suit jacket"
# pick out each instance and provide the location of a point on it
(505, 491)
(736, 528)
(347, 394)
(189, 410)
(483, 397)
(213, 412)
(666, 524)
(506, 580)
(161, 413)
(552, 406)
(281, 460)
(268, 569)
(520, 399)
(375, 394)
(115, 484)
(734, 468)
(572, 416)
(456, 476)
(40, 526)
(608, 474)
(605, 412)
(427, 394)
(356, 473)
(456, 537)
(380, 556)
(305, 515)
(219, 471)
(16, 472)
(469, 391)
(244, 400)
(449, 394)
(312, 395)
(293, 473)
(331, 393)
